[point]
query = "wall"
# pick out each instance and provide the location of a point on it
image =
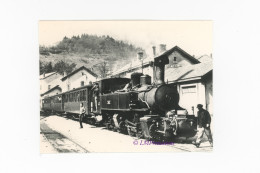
(196, 92)
(209, 95)
(75, 80)
(189, 95)
(180, 60)
(51, 80)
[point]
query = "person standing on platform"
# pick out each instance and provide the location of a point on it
(204, 121)
(82, 112)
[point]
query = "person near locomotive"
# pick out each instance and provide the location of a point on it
(82, 112)
(204, 121)
(95, 90)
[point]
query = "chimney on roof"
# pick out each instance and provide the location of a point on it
(64, 73)
(43, 74)
(154, 51)
(162, 48)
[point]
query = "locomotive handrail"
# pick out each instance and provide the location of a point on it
(145, 102)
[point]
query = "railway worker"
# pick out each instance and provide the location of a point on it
(95, 90)
(127, 87)
(204, 121)
(82, 112)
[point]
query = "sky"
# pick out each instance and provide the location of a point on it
(195, 37)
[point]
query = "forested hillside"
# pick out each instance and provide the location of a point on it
(96, 52)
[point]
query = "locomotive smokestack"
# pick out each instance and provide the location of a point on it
(154, 51)
(159, 66)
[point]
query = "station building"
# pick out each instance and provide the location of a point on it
(49, 81)
(78, 78)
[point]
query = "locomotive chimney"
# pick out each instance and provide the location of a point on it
(159, 66)
(162, 48)
(154, 51)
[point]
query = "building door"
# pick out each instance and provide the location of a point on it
(189, 98)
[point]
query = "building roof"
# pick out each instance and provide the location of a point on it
(132, 65)
(181, 51)
(47, 75)
(50, 90)
(188, 72)
(137, 64)
(77, 70)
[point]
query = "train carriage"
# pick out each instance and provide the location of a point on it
(72, 99)
(56, 103)
(46, 104)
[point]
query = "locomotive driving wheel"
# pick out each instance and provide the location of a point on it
(153, 131)
(122, 127)
(130, 133)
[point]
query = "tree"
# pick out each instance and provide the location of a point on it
(48, 67)
(103, 68)
(62, 67)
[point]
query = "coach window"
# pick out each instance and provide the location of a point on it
(80, 96)
(84, 95)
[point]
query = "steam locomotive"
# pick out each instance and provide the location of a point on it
(134, 106)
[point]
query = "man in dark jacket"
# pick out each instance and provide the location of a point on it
(204, 121)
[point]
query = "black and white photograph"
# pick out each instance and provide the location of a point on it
(126, 86)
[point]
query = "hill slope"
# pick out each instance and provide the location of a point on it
(90, 51)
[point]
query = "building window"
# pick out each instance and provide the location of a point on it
(82, 83)
(49, 87)
(68, 87)
(189, 89)
(174, 59)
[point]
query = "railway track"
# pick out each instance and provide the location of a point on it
(59, 142)
(178, 145)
